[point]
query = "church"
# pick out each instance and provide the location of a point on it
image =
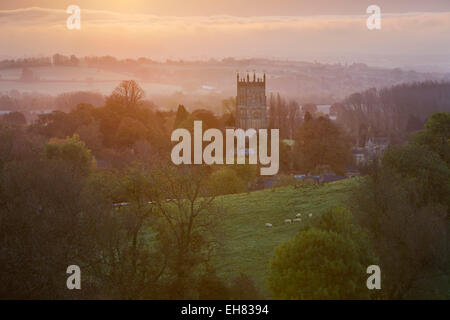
(251, 107)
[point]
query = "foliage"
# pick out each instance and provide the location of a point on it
(319, 264)
(209, 120)
(388, 111)
(311, 108)
(404, 205)
(423, 170)
(436, 135)
(46, 225)
(16, 118)
(129, 131)
(321, 142)
(114, 128)
(212, 287)
(227, 181)
(73, 152)
(181, 116)
(243, 288)
(247, 172)
(284, 115)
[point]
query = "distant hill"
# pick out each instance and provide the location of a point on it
(305, 81)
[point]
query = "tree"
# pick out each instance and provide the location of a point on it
(211, 287)
(209, 120)
(403, 204)
(90, 134)
(427, 172)
(326, 260)
(243, 288)
(131, 263)
(335, 108)
(320, 142)
(187, 222)
(181, 116)
(414, 124)
(70, 100)
(229, 111)
(409, 241)
(46, 225)
(247, 172)
(130, 131)
(436, 135)
(284, 115)
(16, 118)
(286, 157)
(307, 117)
(319, 264)
(73, 152)
(128, 93)
(394, 111)
(294, 118)
(309, 107)
(227, 181)
(56, 124)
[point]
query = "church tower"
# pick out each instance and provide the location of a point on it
(251, 108)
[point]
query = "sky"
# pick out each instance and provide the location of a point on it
(198, 29)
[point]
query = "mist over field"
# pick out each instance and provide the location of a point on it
(202, 83)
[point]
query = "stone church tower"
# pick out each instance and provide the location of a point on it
(251, 108)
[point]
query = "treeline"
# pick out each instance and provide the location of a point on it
(124, 128)
(31, 101)
(72, 60)
(392, 112)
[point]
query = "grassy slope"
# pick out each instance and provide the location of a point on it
(248, 245)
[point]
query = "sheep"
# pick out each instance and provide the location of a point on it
(297, 220)
(288, 221)
(310, 215)
(268, 225)
(298, 215)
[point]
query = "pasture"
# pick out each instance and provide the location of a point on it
(248, 245)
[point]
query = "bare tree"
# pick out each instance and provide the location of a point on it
(185, 203)
(129, 93)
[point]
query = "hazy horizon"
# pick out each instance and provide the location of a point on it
(414, 35)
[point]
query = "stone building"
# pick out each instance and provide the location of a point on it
(251, 107)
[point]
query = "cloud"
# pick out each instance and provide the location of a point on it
(42, 30)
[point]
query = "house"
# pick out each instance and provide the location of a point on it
(374, 147)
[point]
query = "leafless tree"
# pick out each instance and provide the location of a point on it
(129, 93)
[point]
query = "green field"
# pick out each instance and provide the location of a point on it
(248, 244)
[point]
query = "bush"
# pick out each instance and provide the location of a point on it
(319, 264)
(73, 152)
(327, 260)
(226, 181)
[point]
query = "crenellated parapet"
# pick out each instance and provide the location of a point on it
(251, 105)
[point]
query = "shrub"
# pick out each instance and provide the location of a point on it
(326, 260)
